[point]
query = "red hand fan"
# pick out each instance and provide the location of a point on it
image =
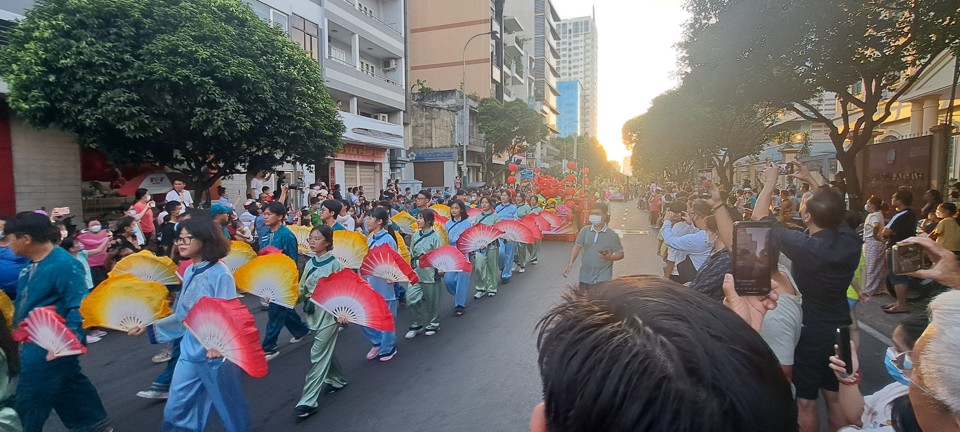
(476, 237)
(531, 224)
(439, 219)
(228, 327)
(541, 222)
(553, 219)
(384, 262)
(472, 213)
(446, 259)
(44, 327)
(269, 250)
(182, 267)
(346, 295)
(514, 231)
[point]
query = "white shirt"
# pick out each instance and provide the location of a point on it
(874, 218)
(697, 245)
(876, 407)
(257, 185)
(183, 197)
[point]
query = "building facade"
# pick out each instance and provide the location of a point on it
(578, 62)
(569, 103)
(538, 19)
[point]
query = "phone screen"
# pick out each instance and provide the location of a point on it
(843, 346)
(908, 258)
(785, 169)
(754, 256)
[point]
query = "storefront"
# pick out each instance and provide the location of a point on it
(358, 165)
(434, 167)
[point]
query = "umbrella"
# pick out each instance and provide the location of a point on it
(154, 182)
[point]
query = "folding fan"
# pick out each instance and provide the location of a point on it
(534, 220)
(125, 302)
(476, 237)
(440, 219)
(240, 254)
(446, 259)
(442, 209)
(346, 295)
(303, 235)
(271, 277)
(349, 247)
(531, 224)
(385, 263)
(44, 327)
(6, 308)
(228, 327)
(441, 230)
(473, 213)
(405, 221)
(542, 222)
(147, 266)
(554, 220)
(402, 248)
(515, 231)
(269, 250)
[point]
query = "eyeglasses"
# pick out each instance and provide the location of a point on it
(186, 240)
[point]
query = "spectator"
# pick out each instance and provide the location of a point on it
(346, 217)
(92, 238)
(681, 227)
(947, 232)
(946, 268)
(143, 206)
(181, 195)
(709, 279)
(787, 210)
(127, 210)
(257, 183)
(935, 381)
(10, 264)
(221, 218)
(874, 252)
(224, 199)
(125, 241)
(168, 229)
(697, 246)
(902, 226)
(644, 363)
(932, 198)
(337, 194)
(600, 245)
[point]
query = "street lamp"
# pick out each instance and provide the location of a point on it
(463, 90)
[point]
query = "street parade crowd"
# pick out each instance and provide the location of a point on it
(615, 354)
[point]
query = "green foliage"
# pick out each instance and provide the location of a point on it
(590, 153)
(184, 83)
(509, 127)
(421, 87)
(786, 53)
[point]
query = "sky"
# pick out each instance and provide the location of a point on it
(637, 59)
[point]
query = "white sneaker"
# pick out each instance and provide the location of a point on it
(430, 332)
(97, 333)
(478, 295)
(372, 354)
(522, 270)
(93, 339)
(294, 340)
(492, 294)
(153, 394)
(271, 355)
(412, 334)
(162, 356)
(240, 295)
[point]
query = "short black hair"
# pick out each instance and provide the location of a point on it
(215, 245)
(327, 234)
(826, 208)
(333, 205)
(645, 354)
(170, 206)
(276, 208)
(905, 196)
(428, 215)
(124, 222)
(913, 327)
(35, 225)
(314, 200)
(140, 193)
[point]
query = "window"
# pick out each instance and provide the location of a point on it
(338, 54)
(270, 15)
(306, 34)
(368, 68)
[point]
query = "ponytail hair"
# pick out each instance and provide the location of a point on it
(383, 216)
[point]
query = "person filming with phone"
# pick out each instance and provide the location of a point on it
(824, 258)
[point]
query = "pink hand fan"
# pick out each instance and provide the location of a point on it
(554, 220)
(384, 262)
(472, 213)
(531, 224)
(346, 295)
(514, 231)
(228, 327)
(44, 327)
(476, 237)
(446, 259)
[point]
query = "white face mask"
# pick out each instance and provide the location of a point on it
(596, 219)
(866, 208)
(342, 219)
(96, 228)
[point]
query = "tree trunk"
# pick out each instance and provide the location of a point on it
(852, 179)
(724, 171)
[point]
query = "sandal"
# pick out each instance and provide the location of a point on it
(888, 306)
(891, 311)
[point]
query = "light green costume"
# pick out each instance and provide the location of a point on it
(324, 369)
(485, 260)
(533, 251)
(9, 420)
(423, 298)
(523, 250)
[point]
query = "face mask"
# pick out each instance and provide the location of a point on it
(96, 228)
(596, 219)
(342, 219)
(893, 370)
(866, 208)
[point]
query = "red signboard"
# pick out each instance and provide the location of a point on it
(8, 203)
(905, 164)
(358, 153)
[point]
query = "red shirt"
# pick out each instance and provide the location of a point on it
(146, 221)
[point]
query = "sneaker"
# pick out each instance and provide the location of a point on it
(458, 311)
(478, 295)
(373, 353)
(430, 332)
(534, 262)
(303, 411)
(96, 333)
(522, 270)
(153, 394)
(388, 357)
(504, 281)
(162, 356)
(413, 333)
(340, 327)
(295, 339)
(240, 295)
(329, 389)
(270, 355)
(491, 294)
(93, 339)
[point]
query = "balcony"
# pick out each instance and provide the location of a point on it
(348, 11)
(342, 75)
(366, 130)
(512, 25)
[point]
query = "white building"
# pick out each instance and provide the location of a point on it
(578, 62)
(538, 25)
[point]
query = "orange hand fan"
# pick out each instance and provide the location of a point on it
(6, 308)
(446, 258)
(125, 302)
(514, 231)
(44, 327)
(346, 295)
(476, 237)
(442, 209)
(405, 221)
(149, 267)
(303, 235)
(349, 247)
(240, 254)
(271, 277)
(441, 230)
(385, 263)
(228, 327)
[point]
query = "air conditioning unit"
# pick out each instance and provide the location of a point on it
(382, 117)
(390, 64)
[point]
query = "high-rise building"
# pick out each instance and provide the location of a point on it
(571, 96)
(578, 62)
(538, 19)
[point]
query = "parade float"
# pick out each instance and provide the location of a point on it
(565, 201)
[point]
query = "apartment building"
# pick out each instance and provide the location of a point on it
(569, 102)
(538, 19)
(578, 62)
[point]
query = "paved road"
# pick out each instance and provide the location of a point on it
(479, 373)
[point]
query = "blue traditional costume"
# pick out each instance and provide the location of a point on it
(507, 248)
(457, 283)
(385, 340)
(278, 316)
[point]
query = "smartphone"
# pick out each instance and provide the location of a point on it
(755, 255)
(908, 258)
(843, 346)
(785, 169)
(62, 211)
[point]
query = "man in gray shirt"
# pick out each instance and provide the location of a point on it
(600, 245)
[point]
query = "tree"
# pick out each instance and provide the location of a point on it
(508, 127)
(590, 153)
(788, 54)
(655, 141)
(200, 85)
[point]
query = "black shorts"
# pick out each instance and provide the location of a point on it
(810, 360)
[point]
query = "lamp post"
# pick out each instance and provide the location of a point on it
(463, 91)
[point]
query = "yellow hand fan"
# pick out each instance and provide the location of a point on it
(402, 248)
(405, 221)
(6, 308)
(240, 254)
(442, 232)
(272, 277)
(349, 247)
(147, 266)
(443, 209)
(124, 302)
(303, 235)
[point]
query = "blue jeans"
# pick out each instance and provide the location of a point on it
(279, 317)
(386, 340)
(162, 381)
(59, 385)
(507, 249)
(458, 285)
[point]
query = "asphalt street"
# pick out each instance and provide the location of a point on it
(478, 373)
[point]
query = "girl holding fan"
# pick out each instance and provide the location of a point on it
(423, 298)
(506, 211)
(485, 260)
(457, 283)
(381, 232)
